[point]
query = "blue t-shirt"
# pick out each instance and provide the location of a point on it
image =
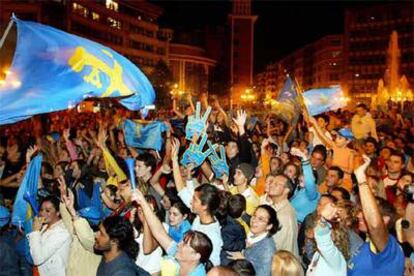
(389, 262)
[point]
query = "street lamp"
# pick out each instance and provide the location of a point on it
(248, 96)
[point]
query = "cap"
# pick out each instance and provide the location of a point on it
(92, 214)
(346, 133)
(247, 170)
(4, 216)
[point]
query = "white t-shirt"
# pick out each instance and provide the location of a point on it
(151, 262)
(213, 231)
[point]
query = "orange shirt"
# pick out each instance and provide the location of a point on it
(261, 182)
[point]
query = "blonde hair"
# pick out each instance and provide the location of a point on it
(285, 263)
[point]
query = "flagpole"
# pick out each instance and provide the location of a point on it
(302, 99)
(6, 32)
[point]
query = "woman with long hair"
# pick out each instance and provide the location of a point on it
(260, 246)
(332, 245)
(285, 263)
(49, 240)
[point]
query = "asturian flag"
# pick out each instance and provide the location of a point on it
(287, 106)
(322, 100)
(144, 136)
(53, 70)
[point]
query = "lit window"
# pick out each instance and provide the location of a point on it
(95, 16)
(112, 5)
(114, 23)
(79, 9)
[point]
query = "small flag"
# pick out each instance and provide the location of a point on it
(145, 136)
(324, 99)
(25, 202)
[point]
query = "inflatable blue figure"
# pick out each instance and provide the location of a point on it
(196, 123)
(218, 163)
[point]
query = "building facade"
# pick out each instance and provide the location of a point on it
(190, 67)
(367, 34)
(128, 27)
(241, 26)
(317, 65)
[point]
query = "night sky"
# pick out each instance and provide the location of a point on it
(282, 26)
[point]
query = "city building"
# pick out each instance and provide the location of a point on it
(316, 65)
(128, 27)
(133, 29)
(241, 26)
(367, 36)
(190, 67)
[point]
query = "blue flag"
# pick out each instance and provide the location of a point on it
(324, 99)
(145, 136)
(287, 106)
(25, 204)
(53, 70)
(288, 92)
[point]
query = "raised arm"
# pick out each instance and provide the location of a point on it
(178, 179)
(155, 179)
(110, 163)
(323, 237)
(328, 142)
(69, 145)
(154, 224)
(190, 102)
(310, 182)
(377, 230)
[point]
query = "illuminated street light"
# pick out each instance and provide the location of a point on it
(248, 95)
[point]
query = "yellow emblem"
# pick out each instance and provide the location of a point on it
(81, 58)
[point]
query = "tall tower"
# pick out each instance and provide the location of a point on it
(241, 48)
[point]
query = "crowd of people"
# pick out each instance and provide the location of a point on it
(229, 193)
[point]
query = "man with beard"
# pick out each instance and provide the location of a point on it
(115, 241)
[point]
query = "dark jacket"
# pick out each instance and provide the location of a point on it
(244, 155)
(234, 238)
(9, 261)
(120, 266)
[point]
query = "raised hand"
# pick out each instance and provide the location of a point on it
(194, 154)
(301, 154)
(196, 124)
(66, 134)
(240, 119)
(175, 148)
(329, 212)
(137, 196)
(360, 171)
(102, 137)
(30, 152)
(218, 163)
